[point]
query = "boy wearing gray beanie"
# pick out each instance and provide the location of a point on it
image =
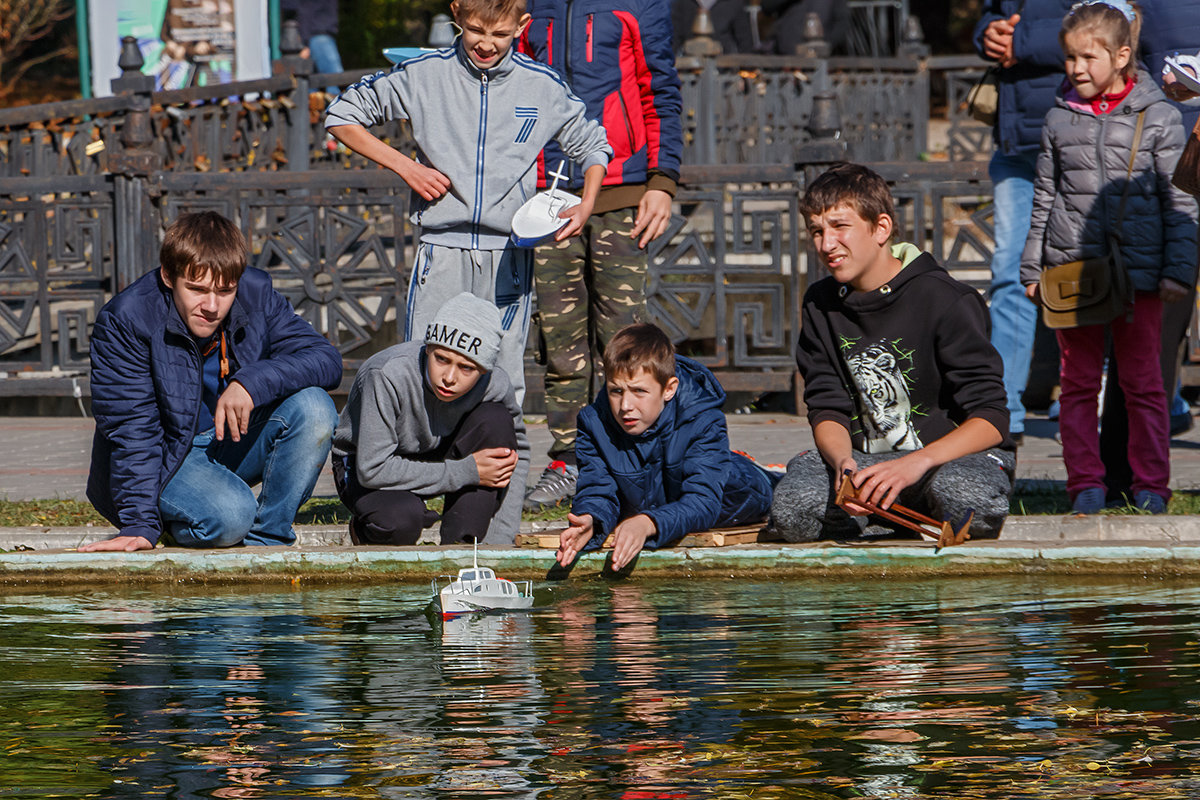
(434, 418)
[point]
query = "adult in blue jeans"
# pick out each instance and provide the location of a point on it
(1021, 36)
(205, 382)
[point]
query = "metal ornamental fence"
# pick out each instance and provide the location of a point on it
(87, 186)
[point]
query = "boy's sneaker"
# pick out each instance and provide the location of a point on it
(555, 487)
(1150, 502)
(1089, 501)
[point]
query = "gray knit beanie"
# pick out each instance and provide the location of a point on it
(469, 325)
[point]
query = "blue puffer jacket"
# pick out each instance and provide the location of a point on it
(1027, 88)
(146, 385)
(680, 472)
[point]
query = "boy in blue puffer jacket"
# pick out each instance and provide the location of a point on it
(654, 457)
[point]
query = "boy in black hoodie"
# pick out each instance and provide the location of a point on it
(903, 388)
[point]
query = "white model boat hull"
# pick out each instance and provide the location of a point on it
(465, 604)
(478, 589)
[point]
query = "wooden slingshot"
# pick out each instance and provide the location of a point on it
(942, 532)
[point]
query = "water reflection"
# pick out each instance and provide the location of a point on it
(689, 689)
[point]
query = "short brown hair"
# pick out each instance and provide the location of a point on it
(489, 10)
(202, 242)
(640, 346)
(1109, 25)
(853, 185)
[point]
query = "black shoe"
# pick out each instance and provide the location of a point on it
(1181, 423)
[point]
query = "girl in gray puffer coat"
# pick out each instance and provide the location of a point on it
(1081, 173)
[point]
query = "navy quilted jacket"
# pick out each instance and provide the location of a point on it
(146, 385)
(1027, 88)
(680, 472)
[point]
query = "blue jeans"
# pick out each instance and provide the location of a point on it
(1014, 317)
(323, 50)
(208, 501)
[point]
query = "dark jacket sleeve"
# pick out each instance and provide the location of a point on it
(825, 392)
(705, 467)
(662, 101)
(1178, 207)
(972, 375)
(297, 357)
(1036, 42)
(126, 409)
(595, 489)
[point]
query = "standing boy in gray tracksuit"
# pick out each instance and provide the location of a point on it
(480, 115)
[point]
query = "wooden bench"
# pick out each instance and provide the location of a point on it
(717, 537)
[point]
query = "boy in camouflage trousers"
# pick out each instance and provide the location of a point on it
(591, 286)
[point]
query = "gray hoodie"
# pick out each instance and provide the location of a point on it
(483, 129)
(392, 417)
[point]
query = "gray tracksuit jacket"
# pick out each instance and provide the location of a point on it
(1080, 178)
(392, 417)
(483, 129)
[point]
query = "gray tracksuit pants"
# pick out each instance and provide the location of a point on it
(803, 509)
(503, 276)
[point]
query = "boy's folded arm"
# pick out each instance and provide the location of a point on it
(376, 436)
(705, 467)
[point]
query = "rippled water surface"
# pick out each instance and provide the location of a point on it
(1005, 688)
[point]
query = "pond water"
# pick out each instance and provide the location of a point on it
(735, 688)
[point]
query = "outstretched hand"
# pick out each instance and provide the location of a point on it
(573, 538)
(629, 537)
(121, 544)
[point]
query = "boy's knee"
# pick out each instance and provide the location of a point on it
(490, 425)
(312, 410)
(222, 521)
(800, 498)
(981, 483)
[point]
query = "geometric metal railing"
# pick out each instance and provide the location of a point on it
(87, 188)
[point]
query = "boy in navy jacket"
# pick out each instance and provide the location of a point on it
(206, 382)
(654, 457)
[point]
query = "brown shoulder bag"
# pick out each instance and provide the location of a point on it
(1093, 291)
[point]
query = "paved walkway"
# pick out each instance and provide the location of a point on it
(47, 457)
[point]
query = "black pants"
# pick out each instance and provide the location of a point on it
(397, 516)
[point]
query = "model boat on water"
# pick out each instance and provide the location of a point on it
(477, 588)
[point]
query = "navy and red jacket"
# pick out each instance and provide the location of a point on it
(616, 56)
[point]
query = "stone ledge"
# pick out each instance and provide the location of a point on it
(333, 564)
